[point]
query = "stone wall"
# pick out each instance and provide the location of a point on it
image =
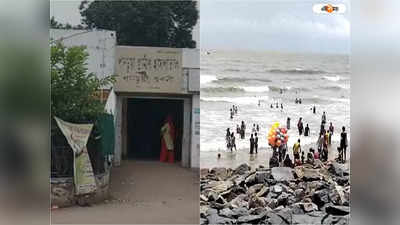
(63, 189)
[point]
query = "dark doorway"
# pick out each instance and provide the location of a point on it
(145, 118)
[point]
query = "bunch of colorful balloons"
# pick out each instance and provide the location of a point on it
(277, 136)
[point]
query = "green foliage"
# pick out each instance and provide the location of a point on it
(57, 25)
(73, 89)
(144, 23)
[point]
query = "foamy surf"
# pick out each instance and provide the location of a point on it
(332, 78)
(259, 89)
(204, 79)
(236, 100)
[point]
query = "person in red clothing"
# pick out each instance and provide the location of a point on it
(167, 141)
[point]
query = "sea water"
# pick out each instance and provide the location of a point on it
(243, 78)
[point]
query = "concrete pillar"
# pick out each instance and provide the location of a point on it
(195, 133)
(187, 108)
(118, 131)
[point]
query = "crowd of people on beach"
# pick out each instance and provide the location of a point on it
(281, 156)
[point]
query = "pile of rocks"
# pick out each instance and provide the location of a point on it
(308, 194)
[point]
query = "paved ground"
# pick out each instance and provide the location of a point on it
(142, 193)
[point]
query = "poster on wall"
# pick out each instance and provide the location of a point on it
(148, 69)
(77, 136)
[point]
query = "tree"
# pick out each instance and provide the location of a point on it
(73, 89)
(144, 23)
(57, 25)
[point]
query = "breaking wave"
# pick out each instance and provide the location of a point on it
(222, 89)
(297, 71)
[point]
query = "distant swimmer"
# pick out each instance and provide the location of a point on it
(277, 106)
(272, 106)
(313, 109)
(306, 130)
(281, 91)
(259, 102)
(299, 100)
(296, 101)
(281, 106)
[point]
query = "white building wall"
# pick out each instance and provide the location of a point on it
(100, 45)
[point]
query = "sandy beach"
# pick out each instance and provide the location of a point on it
(233, 159)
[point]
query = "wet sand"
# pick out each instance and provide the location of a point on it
(142, 192)
(209, 159)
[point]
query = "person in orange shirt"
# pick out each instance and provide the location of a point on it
(167, 141)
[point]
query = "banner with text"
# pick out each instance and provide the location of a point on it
(77, 136)
(148, 69)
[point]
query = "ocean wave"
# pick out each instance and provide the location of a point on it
(332, 78)
(257, 89)
(291, 89)
(297, 71)
(204, 79)
(222, 89)
(232, 70)
(323, 100)
(236, 100)
(240, 79)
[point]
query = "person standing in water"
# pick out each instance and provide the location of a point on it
(233, 141)
(231, 113)
(228, 138)
(300, 126)
(258, 128)
(288, 123)
(314, 109)
(254, 128)
(322, 130)
(237, 129)
(331, 129)
(242, 130)
(167, 140)
(256, 143)
(306, 131)
(251, 144)
(323, 119)
(272, 106)
(343, 143)
(281, 106)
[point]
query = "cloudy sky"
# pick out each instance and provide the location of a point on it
(277, 25)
